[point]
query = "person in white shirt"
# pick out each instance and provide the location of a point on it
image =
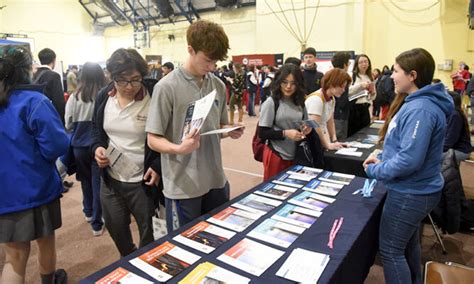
(320, 106)
(363, 86)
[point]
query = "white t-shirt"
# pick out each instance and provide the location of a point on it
(316, 106)
(126, 130)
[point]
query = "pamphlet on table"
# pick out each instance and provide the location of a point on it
(204, 237)
(311, 201)
(209, 273)
(165, 261)
(276, 191)
(276, 232)
(296, 215)
(333, 177)
(293, 180)
(251, 257)
(304, 266)
(322, 187)
(123, 276)
(234, 219)
(256, 204)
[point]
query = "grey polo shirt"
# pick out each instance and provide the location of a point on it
(192, 175)
(288, 116)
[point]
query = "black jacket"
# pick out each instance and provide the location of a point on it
(100, 139)
(312, 80)
(53, 90)
(448, 212)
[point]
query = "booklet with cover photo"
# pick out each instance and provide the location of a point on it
(333, 177)
(196, 113)
(251, 257)
(304, 173)
(122, 276)
(276, 232)
(204, 237)
(312, 201)
(165, 261)
(325, 188)
(296, 215)
(234, 219)
(276, 191)
(209, 273)
(290, 180)
(256, 204)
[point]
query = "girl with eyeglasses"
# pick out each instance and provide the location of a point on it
(118, 125)
(281, 119)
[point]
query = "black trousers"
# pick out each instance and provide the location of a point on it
(359, 117)
(119, 200)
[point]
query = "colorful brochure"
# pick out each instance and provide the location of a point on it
(277, 233)
(304, 266)
(123, 276)
(298, 216)
(322, 187)
(196, 113)
(204, 237)
(304, 173)
(208, 273)
(336, 177)
(275, 191)
(165, 261)
(256, 204)
(312, 201)
(290, 180)
(234, 219)
(251, 257)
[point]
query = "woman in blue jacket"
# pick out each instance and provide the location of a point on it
(410, 164)
(32, 138)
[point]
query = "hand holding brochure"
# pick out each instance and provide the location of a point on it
(222, 130)
(199, 113)
(120, 163)
(304, 266)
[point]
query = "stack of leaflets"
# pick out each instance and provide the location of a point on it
(121, 275)
(165, 261)
(275, 191)
(303, 266)
(287, 179)
(275, 232)
(256, 204)
(304, 173)
(204, 237)
(356, 144)
(298, 216)
(251, 256)
(371, 139)
(311, 201)
(339, 178)
(322, 187)
(349, 152)
(234, 219)
(209, 273)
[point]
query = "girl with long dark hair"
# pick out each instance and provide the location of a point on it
(280, 120)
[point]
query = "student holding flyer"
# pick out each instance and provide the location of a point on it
(193, 176)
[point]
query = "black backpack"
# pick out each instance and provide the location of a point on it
(467, 215)
(385, 90)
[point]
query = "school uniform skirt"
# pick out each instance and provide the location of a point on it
(30, 224)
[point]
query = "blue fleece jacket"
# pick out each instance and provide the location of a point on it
(413, 145)
(32, 137)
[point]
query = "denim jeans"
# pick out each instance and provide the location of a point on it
(399, 237)
(251, 104)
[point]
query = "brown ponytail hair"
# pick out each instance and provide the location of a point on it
(394, 108)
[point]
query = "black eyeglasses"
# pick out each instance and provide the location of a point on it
(133, 83)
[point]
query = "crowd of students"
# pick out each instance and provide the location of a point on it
(143, 120)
